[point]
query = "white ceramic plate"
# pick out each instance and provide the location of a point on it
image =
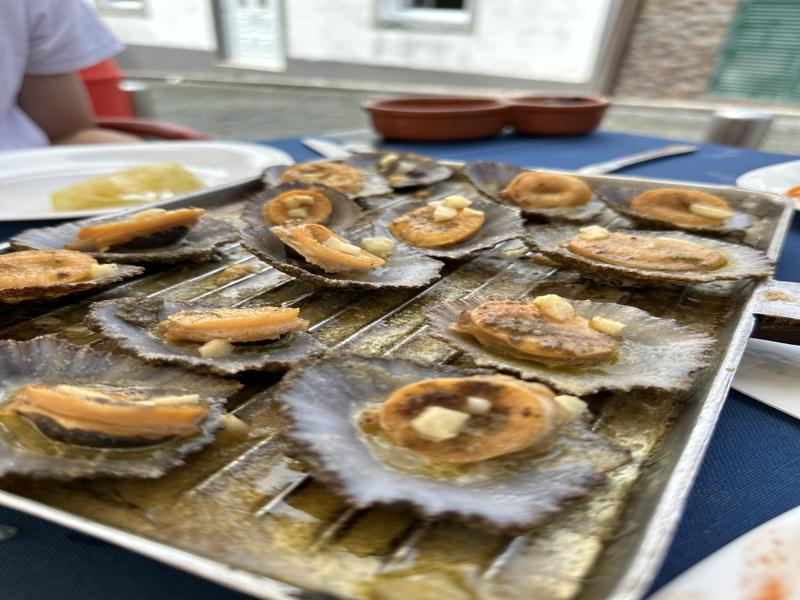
(763, 564)
(774, 178)
(29, 177)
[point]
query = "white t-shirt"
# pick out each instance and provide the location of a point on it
(43, 37)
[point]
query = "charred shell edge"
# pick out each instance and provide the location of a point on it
(306, 452)
(686, 361)
(49, 359)
(491, 177)
(617, 199)
(749, 263)
(344, 214)
(47, 292)
(197, 246)
(433, 171)
(104, 318)
(417, 271)
(501, 224)
(374, 184)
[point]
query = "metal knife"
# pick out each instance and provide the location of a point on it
(336, 151)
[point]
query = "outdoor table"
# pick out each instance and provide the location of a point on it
(748, 476)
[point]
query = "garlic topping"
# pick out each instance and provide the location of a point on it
(593, 232)
(104, 270)
(437, 423)
(603, 325)
(573, 405)
(443, 213)
(711, 212)
(554, 307)
(478, 406)
(216, 349)
(379, 246)
(297, 213)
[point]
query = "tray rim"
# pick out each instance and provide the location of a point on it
(660, 526)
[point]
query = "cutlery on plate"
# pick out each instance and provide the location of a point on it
(336, 151)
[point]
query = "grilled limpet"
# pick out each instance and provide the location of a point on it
(153, 236)
(148, 229)
(339, 176)
(644, 252)
(534, 189)
(439, 224)
(546, 330)
(404, 169)
(71, 411)
(297, 206)
(577, 347)
(203, 337)
(471, 419)
(512, 467)
(692, 210)
(323, 248)
(45, 274)
(93, 416)
(653, 257)
(538, 194)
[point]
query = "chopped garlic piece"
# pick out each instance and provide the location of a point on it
(334, 243)
(456, 201)
(235, 425)
(554, 307)
(609, 326)
(379, 246)
(387, 160)
(593, 232)
(216, 349)
(573, 405)
(146, 214)
(444, 213)
(712, 212)
(297, 213)
(478, 406)
(437, 423)
(298, 201)
(396, 179)
(105, 270)
(166, 400)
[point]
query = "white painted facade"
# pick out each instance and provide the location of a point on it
(545, 40)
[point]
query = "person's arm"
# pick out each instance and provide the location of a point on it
(59, 105)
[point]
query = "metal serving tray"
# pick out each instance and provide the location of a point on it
(244, 515)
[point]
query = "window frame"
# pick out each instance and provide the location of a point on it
(107, 7)
(397, 13)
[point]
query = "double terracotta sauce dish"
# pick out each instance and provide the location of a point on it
(463, 117)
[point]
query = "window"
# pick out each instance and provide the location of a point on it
(436, 14)
(136, 7)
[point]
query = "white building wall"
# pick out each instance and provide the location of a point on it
(185, 24)
(553, 40)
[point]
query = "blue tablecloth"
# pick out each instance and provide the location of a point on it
(749, 474)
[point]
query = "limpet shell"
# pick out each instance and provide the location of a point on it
(323, 400)
(129, 323)
(404, 268)
(345, 212)
(654, 354)
(198, 245)
(417, 170)
(617, 199)
(743, 262)
(492, 177)
(501, 224)
(49, 360)
(374, 184)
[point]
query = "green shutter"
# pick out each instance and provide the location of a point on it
(761, 54)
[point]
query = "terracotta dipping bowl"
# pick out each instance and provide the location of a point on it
(438, 118)
(557, 115)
